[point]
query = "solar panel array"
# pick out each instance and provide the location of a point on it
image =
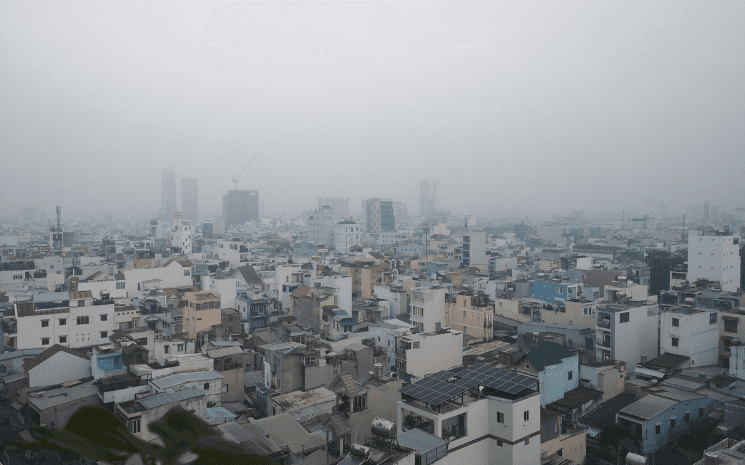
(440, 387)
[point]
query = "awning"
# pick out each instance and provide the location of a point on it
(646, 372)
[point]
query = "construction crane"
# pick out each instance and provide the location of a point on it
(234, 179)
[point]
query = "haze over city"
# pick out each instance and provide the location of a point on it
(513, 106)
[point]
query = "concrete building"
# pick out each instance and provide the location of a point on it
(428, 191)
(137, 415)
(731, 330)
(552, 291)
(474, 249)
(378, 215)
(56, 365)
(320, 227)
(228, 361)
(189, 200)
(427, 307)
(485, 421)
(53, 408)
(339, 206)
(556, 367)
(714, 255)
(347, 234)
(183, 235)
(471, 314)
(627, 332)
(608, 376)
(168, 197)
(425, 353)
(240, 206)
(691, 333)
(201, 312)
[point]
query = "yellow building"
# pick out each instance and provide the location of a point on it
(201, 312)
(471, 314)
(576, 313)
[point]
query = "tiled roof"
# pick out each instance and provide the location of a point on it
(80, 295)
(32, 363)
(301, 291)
(250, 275)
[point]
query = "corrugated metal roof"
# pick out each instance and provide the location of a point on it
(224, 352)
(219, 412)
(165, 398)
(419, 441)
(181, 378)
(284, 429)
(648, 407)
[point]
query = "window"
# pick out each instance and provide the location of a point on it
(675, 341)
(180, 347)
(206, 386)
(120, 285)
(672, 423)
(63, 339)
(62, 321)
(560, 452)
(186, 272)
(712, 318)
(625, 317)
(45, 341)
(133, 426)
(526, 415)
(166, 349)
(83, 320)
(657, 429)
(570, 375)
(499, 442)
(81, 303)
(676, 322)
(104, 334)
(416, 345)
(44, 323)
(730, 326)
(104, 317)
(500, 417)
(527, 441)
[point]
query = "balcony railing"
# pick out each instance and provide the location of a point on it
(602, 323)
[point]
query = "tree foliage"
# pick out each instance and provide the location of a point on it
(661, 263)
(96, 433)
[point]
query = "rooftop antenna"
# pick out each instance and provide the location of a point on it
(234, 179)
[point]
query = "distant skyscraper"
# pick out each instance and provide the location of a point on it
(168, 193)
(189, 200)
(427, 196)
(240, 206)
(378, 215)
(339, 207)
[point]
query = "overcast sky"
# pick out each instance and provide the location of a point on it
(511, 105)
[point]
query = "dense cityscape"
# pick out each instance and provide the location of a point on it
(353, 233)
(384, 334)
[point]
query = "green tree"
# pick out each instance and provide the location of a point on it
(96, 433)
(661, 263)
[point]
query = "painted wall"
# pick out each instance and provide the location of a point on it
(554, 380)
(60, 368)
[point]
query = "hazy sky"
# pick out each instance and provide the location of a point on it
(531, 106)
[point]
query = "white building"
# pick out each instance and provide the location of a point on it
(343, 286)
(320, 227)
(172, 274)
(393, 297)
(75, 323)
(386, 335)
(714, 255)
(427, 306)
(424, 353)
(183, 236)
(694, 334)
(339, 206)
(474, 249)
(627, 332)
(346, 235)
(492, 416)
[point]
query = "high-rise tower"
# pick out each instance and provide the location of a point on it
(189, 200)
(168, 194)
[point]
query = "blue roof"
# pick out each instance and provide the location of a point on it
(348, 322)
(340, 312)
(219, 412)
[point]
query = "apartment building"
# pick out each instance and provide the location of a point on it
(346, 235)
(201, 312)
(472, 314)
(692, 333)
(714, 255)
(572, 312)
(474, 249)
(427, 307)
(627, 332)
(378, 215)
(731, 331)
(424, 353)
(307, 307)
(487, 414)
(320, 227)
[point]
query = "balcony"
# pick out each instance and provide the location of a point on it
(603, 343)
(603, 323)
